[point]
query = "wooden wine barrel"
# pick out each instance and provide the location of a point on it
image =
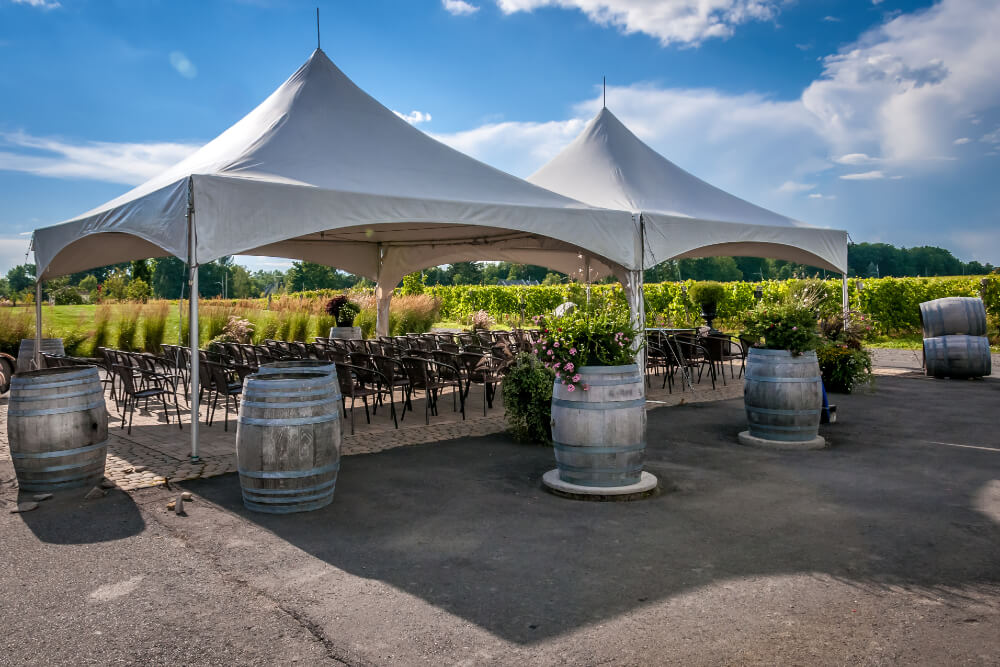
(953, 315)
(957, 356)
(288, 437)
(57, 426)
(599, 435)
(783, 395)
(26, 353)
(346, 333)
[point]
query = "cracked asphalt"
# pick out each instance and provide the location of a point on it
(883, 549)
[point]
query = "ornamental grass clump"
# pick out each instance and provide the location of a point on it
(603, 337)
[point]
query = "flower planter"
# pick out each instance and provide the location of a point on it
(783, 394)
(599, 435)
(349, 333)
(709, 311)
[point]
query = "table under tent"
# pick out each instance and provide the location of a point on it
(320, 171)
(681, 215)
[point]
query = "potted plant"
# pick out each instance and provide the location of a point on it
(598, 413)
(783, 390)
(843, 361)
(708, 295)
(343, 311)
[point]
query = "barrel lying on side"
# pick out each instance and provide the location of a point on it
(957, 356)
(57, 426)
(953, 315)
(599, 435)
(26, 353)
(288, 439)
(783, 394)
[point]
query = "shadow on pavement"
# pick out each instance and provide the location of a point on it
(67, 518)
(466, 526)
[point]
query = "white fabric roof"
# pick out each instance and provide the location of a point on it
(321, 171)
(609, 166)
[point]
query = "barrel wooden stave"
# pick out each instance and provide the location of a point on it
(57, 426)
(783, 395)
(953, 315)
(26, 352)
(599, 435)
(298, 366)
(288, 439)
(346, 333)
(957, 356)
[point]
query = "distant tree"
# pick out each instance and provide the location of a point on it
(140, 269)
(21, 277)
(169, 278)
(240, 283)
(465, 273)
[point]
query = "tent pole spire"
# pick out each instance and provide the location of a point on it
(317, 27)
(193, 373)
(605, 82)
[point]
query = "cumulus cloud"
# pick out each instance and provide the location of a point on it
(864, 176)
(992, 138)
(459, 7)
(40, 4)
(817, 195)
(128, 163)
(183, 65)
(961, 141)
(792, 186)
(670, 21)
(414, 117)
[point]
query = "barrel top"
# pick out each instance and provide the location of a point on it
(597, 370)
(762, 351)
(69, 372)
(289, 378)
(300, 363)
(945, 299)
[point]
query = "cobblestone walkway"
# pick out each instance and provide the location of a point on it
(156, 451)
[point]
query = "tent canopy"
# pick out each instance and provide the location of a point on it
(608, 166)
(321, 171)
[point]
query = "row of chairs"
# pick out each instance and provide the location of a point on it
(694, 354)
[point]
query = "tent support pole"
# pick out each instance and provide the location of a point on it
(193, 373)
(38, 323)
(844, 297)
(586, 269)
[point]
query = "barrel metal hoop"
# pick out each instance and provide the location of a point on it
(247, 495)
(289, 492)
(584, 449)
(289, 474)
(775, 411)
(64, 480)
(55, 411)
(68, 466)
(754, 378)
(51, 397)
(610, 383)
(290, 421)
(284, 393)
(623, 469)
(61, 452)
(287, 509)
(610, 405)
(25, 383)
(608, 370)
(300, 404)
(786, 429)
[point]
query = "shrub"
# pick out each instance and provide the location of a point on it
(527, 398)
(237, 330)
(707, 293)
(844, 368)
(789, 325)
(266, 328)
(67, 296)
(15, 325)
(154, 322)
(88, 284)
(138, 290)
(342, 310)
(298, 326)
(413, 283)
(366, 320)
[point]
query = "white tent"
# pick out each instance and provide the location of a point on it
(321, 171)
(683, 215)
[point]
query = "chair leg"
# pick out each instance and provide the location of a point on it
(364, 399)
(124, 409)
(225, 419)
(130, 414)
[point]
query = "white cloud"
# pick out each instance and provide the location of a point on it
(40, 4)
(670, 21)
(855, 159)
(128, 163)
(792, 186)
(12, 252)
(184, 67)
(816, 195)
(992, 138)
(414, 117)
(831, 19)
(459, 7)
(864, 176)
(961, 140)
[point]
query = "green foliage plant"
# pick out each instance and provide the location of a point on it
(154, 325)
(602, 337)
(15, 324)
(298, 326)
(707, 293)
(128, 328)
(787, 325)
(138, 290)
(343, 310)
(844, 368)
(527, 399)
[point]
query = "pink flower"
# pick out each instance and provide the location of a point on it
(550, 351)
(555, 365)
(572, 350)
(570, 387)
(586, 387)
(558, 375)
(555, 344)
(576, 378)
(569, 367)
(793, 328)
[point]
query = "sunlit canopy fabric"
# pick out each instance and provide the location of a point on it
(321, 171)
(684, 216)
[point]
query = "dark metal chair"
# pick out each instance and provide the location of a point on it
(485, 370)
(432, 377)
(223, 384)
(132, 394)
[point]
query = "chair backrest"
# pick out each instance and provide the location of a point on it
(125, 373)
(416, 371)
(219, 375)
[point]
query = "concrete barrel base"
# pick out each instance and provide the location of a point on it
(753, 441)
(644, 488)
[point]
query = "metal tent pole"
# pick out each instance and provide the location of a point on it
(844, 297)
(193, 324)
(38, 323)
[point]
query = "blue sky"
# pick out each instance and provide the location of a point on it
(882, 118)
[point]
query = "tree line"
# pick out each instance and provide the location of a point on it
(166, 277)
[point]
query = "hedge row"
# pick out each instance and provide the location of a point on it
(893, 303)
